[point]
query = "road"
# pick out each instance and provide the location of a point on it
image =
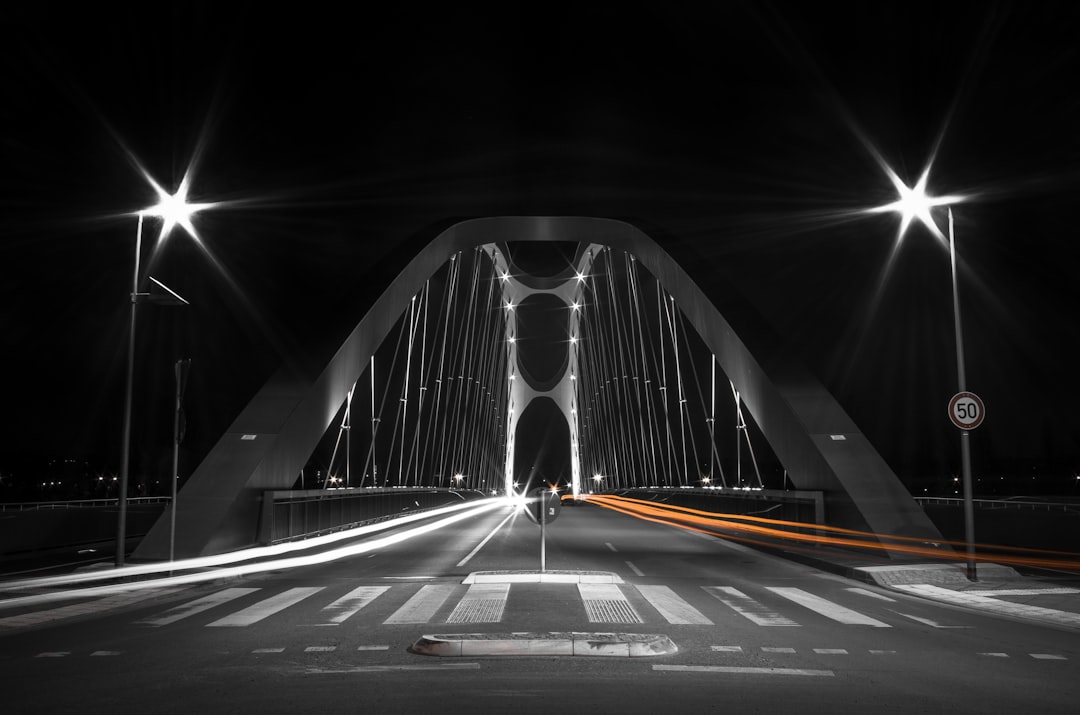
(755, 633)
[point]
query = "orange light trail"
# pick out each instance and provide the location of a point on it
(746, 528)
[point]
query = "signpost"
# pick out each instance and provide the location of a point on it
(967, 412)
(543, 507)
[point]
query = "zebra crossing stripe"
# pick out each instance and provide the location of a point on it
(827, 608)
(265, 608)
(482, 603)
(423, 604)
(747, 607)
(673, 608)
(347, 606)
(197, 606)
(606, 603)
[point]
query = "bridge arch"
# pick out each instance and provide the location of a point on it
(817, 442)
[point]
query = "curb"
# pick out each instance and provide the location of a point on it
(543, 577)
(611, 645)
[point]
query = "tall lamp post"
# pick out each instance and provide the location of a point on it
(914, 204)
(173, 209)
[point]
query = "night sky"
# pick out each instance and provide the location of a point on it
(749, 135)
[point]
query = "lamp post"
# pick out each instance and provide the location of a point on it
(173, 209)
(913, 203)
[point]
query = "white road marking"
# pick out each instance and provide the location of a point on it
(985, 603)
(672, 607)
(486, 539)
(727, 648)
(350, 603)
(996, 655)
(53, 654)
(482, 603)
(97, 605)
(926, 621)
(747, 607)
(388, 668)
(871, 594)
(373, 647)
(826, 608)
(608, 544)
(1047, 656)
(268, 650)
(423, 605)
(882, 652)
(635, 569)
(742, 670)
(765, 649)
(197, 606)
(265, 608)
(1026, 591)
(105, 652)
(320, 648)
(830, 651)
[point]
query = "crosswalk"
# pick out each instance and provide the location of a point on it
(479, 603)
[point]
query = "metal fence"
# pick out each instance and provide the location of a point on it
(78, 504)
(1024, 504)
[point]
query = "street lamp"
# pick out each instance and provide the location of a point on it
(914, 204)
(174, 210)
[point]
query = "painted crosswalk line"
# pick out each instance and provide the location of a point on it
(672, 607)
(348, 605)
(265, 608)
(482, 603)
(747, 607)
(826, 608)
(199, 605)
(606, 603)
(422, 606)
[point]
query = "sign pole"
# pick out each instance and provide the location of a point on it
(543, 532)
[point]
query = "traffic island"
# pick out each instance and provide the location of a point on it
(609, 645)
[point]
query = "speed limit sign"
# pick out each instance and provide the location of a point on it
(966, 410)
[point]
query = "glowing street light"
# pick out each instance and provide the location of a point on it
(913, 203)
(175, 211)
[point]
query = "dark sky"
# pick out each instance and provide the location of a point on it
(745, 134)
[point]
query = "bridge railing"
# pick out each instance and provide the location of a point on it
(77, 504)
(298, 514)
(1013, 503)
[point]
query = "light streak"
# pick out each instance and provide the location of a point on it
(452, 514)
(755, 530)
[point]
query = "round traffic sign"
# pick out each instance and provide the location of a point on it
(966, 410)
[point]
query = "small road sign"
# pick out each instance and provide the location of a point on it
(543, 505)
(966, 410)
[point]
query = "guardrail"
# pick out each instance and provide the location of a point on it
(77, 504)
(1019, 504)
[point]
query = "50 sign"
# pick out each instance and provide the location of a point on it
(966, 410)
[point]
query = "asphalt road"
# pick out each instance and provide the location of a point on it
(754, 633)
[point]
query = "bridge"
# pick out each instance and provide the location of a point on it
(624, 370)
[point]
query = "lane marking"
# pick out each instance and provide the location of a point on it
(105, 652)
(608, 544)
(672, 607)
(423, 604)
(882, 652)
(830, 651)
(826, 608)
(635, 569)
(389, 668)
(347, 606)
(765, 649)
(320, 648)
(727, 648)
(486, 539)
(606, 603)
(265, 608)
(995, 655)
(1026, 591)
(747, 607)
(926, 621)
(871, 594)
(1047, 656)
(53, 654)
(268, 650)
(482, 603)
(742, 670)
(373, 647)
(197, 606)
(985, 603)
